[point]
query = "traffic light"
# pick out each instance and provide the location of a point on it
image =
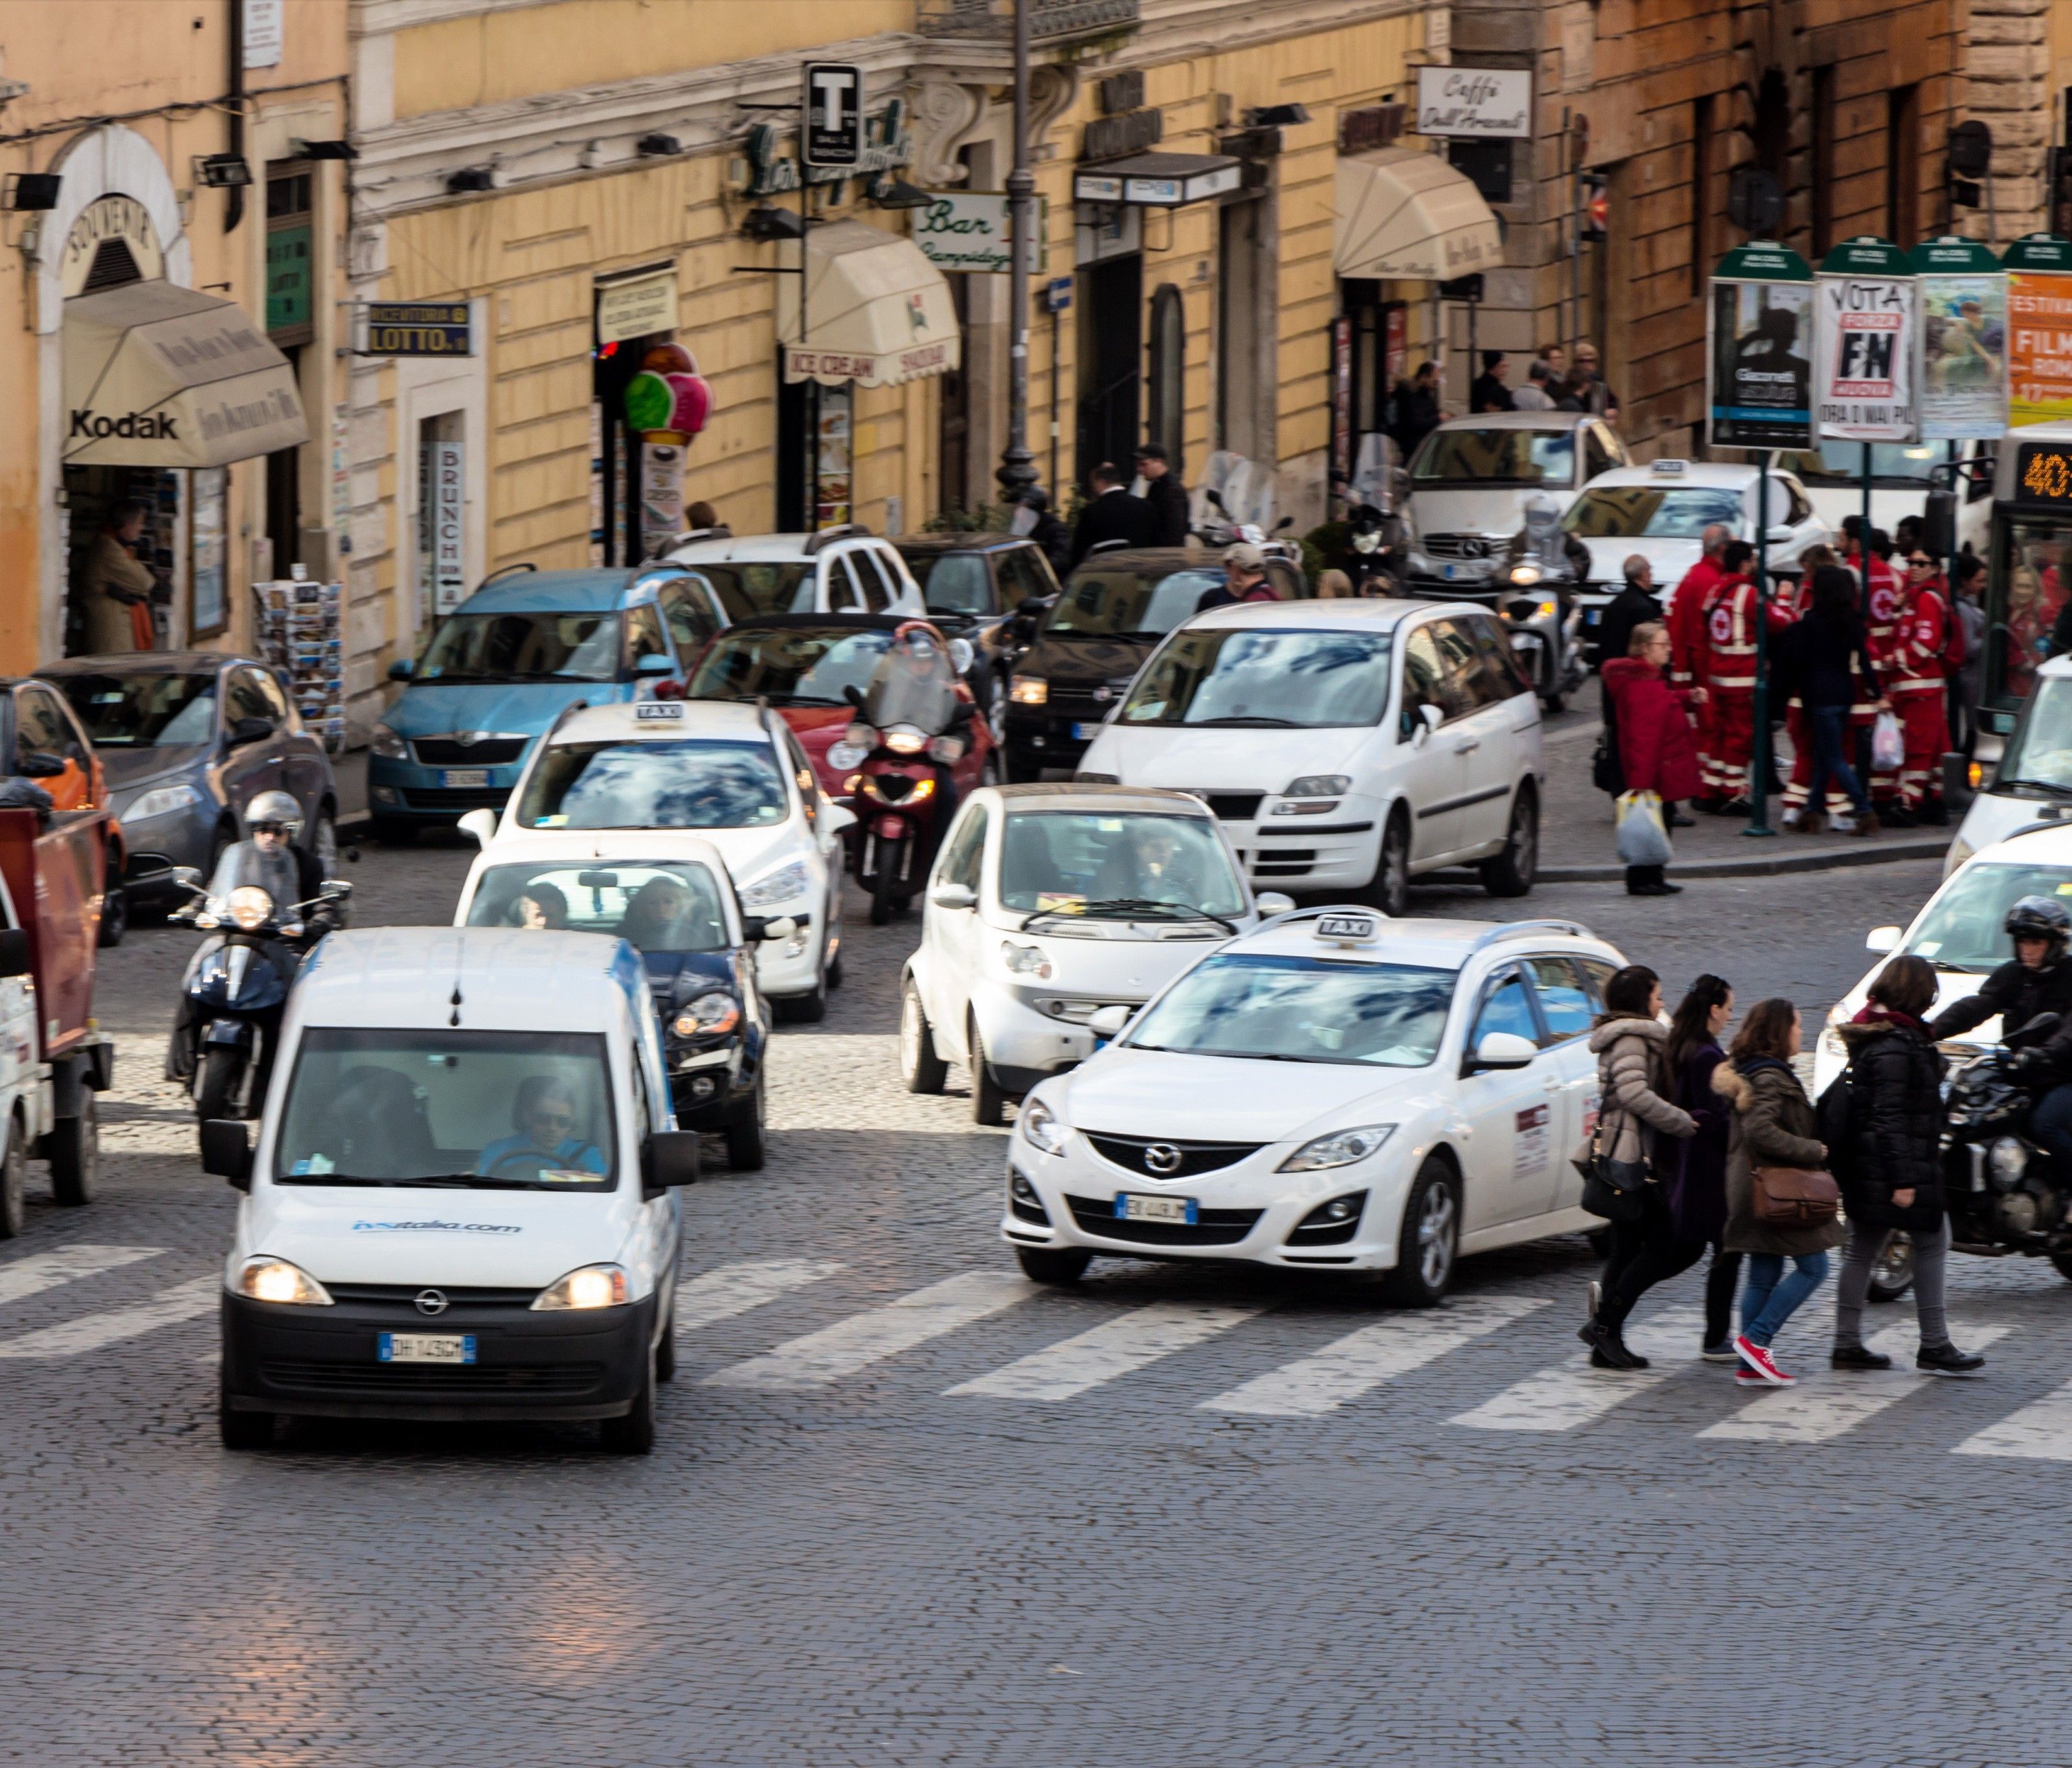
(1596, 205)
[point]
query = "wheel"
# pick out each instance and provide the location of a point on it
(634, 1434)
(665, 1352)
(1892, 1271)
(74, 1148)
(215, 1082)
(114, 915)
(884, 884)
(744, 1138)
(1390, 891)
(1042, 1264)
(243, 1429)
(14, 1180)
(920, 1066)
(394, 832)
(988, 1103)
(323, 843)
(1430, 1243)
(834, 972)
(1511, 872)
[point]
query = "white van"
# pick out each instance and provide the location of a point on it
(461, 1204)
(2031, 782)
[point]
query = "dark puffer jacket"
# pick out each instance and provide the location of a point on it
(1895, 1082)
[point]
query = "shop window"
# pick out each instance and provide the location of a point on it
(290, 248)
(1166, 413)
(814, 457)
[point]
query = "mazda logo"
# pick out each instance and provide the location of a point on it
(1162, 1157)
(432, 1302)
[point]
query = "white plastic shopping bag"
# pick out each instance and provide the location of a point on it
(1643, 840)
(1888, 744)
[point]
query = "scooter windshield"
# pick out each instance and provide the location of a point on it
(244, 864)
(913, 683)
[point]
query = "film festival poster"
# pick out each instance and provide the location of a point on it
(1762, 367)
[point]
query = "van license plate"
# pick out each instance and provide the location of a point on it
(1130, 1206)
(1085, 733)
(427, 1347)
(465, 776)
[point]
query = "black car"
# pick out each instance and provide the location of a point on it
(976, 585)
(1090, 642)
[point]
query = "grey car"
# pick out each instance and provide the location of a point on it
(187, 739)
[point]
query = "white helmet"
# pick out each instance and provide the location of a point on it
(277, 808)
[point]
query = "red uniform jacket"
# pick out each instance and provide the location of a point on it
(1687, 664)
(1730, 633)
(1916, 658)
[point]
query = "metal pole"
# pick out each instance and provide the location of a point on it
(1057, 327)
(1863, 558)
(812, 399)
(1018, 466)
(1758, 783)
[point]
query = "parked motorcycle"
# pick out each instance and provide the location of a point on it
(1229, 531)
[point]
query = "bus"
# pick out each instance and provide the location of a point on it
(2029, 572)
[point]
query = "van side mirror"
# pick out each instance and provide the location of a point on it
(669, 1158)
(401, 669)
(1504, 1049)
(14, 952)
(1111, 1021)
(339, 887)
(226, 1151)
(481, 824)
(1272, 902)
(654, 664)
(1882, 939)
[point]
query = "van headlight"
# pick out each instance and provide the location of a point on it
(1040, 1127)
(1027, 960)
(1341, 1148)
(277, 1280)
(388, 745)
(1029, 690)
(587, 1286)
(709, 1014)
(782, 885)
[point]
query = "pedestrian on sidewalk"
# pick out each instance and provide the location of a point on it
(1536, 394)
(1656, 750)
(1891, 1171)
(1689, 663)
(1165, 494)
(1773, 1126)
(1968, 607)
(1698, 1193)
(1631, 1045)
(1733, 611)
(1925, 641)
(1633, 604)
(1488, 392)
(1826, 659)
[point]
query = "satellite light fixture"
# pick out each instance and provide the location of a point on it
(222, 171)
(323, 149)
(896, 193)
(1277, 116)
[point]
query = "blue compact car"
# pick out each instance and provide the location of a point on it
(510, 661)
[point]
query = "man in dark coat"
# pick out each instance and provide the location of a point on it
(1165, 494)
(1634, 603)
(1413, 410)
(1111, 514)
(1487, 392)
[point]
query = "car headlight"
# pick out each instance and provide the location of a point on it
(780, 886)
(1029, 690)
(1832, 1044)
(706, 1016)
(1319, 786)
(587, 1286)
(161, 801)
(388, 745)
(1341, 1148)
(1027, 960)
(1040, 1127)
(276, 1280)
(250, 906)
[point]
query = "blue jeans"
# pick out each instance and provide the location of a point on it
(1771, 1297)
(2051, 1122)
(1829, 725)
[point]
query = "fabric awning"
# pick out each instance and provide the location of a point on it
(159, 376)
(877, 312)
(1410, 215)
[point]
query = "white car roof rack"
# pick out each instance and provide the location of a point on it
(1523, 930)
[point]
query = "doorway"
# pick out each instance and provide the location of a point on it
(1111, 353)
(1166, 412)
(1242, 374)
(93, 495)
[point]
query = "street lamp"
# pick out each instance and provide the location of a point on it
(1018, 466)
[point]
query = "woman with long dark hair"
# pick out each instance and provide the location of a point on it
(1828, 661)
(1698, 1193)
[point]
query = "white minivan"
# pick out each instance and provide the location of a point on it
(461, 1205)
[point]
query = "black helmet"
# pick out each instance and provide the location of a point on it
(2039, 917)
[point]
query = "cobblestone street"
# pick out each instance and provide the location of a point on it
(1318, 1532)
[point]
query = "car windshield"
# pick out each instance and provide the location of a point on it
(2039, 753)
(655, 785)
(1496, 457)
(655, 905)
(1842, 462)
(1276, 681)
(142, 711)
(1116, 604)
(459, 1109)
(795, 666)
(1287, 1008)
(1109, 867)
(1634, 512)
(522, 648)
(1962, 929)
(952, 582)
(749, 589)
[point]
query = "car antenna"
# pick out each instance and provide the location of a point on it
(460, 955)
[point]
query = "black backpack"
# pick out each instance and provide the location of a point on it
(1834, 1112)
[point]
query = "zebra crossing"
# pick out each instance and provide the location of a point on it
(1559, 1398)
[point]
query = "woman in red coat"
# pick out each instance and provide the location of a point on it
(1656, 747)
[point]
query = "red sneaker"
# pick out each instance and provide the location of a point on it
(1748, 1378)
(1758, 1358)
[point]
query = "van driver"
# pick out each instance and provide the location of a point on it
(545, 1115)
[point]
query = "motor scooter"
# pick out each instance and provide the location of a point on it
(1375, 542)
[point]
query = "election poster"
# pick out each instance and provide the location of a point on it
(1865, 349)
(1759, 350)
(1961, 293)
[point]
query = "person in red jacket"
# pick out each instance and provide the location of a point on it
(1916, 673)
(1656, 748)
(1882, 593)
(1731, 611)
(1688, 663)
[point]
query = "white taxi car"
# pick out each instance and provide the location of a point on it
(733, 775)
(1047, 903)
(1959, 931)
(1333, 1092)
(1347, 746)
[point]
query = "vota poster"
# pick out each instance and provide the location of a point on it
(1864, 375)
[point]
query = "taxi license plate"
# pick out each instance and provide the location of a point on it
(465, 776)
(427, 1347)
(1085, 733)
(1132, 1206)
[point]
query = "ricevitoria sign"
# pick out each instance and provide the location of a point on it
(1865, 333)
(1758, 350)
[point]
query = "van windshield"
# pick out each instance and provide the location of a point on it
(448, 1110)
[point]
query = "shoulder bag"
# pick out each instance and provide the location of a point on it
(1611, 1188)
(1795, 1197)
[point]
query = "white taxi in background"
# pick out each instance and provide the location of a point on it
(1333, 1092)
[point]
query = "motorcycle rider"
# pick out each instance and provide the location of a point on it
(2039, 980)
(1563, 561)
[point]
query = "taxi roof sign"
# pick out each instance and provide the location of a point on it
(645, 709)
(1341, 928)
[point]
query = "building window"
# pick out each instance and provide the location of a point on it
(1902, 166)
(1701, 191)
(290, 241)
(1821, 169)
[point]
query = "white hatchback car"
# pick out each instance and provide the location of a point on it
(1333, 1092)
(1048, 903)
(732, 775)
(1347, 746)
(838, 570)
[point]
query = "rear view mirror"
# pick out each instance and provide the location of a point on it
(249, 730)
(1109, 1022)
(481, 824)
(654, 664)
(781, 926)
(339, 887)
(960, 655)
(187, 877)
(953, 896)
(401, 669)
(1032, 605)
(1881, 939)
(226, 1151)
(670, 1158)
(1504, 1049)
(14, 952)
(1780, 535)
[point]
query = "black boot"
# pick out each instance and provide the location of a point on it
(1608, 1350)
(1855, 1356)
(1947, 1359)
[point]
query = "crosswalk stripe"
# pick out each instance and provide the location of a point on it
(862, 1339)
(1348, 1367)
(735, 1288)
(41, 1271)
(2041, 1431)
(1828, 1404)
(94, 1331)
(1115, 1347)
(1571, 1393)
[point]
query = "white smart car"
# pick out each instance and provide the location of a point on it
(1347, 746)
(1048, 903)
(1959, 931)
(1334, 1091)
(733, 775)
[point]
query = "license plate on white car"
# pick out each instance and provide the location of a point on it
(1133, 1206)
(427, 1347)
(1452, 571)
(464, 776)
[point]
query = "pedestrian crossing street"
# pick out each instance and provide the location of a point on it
(1558, 1398)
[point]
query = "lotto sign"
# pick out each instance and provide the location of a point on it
(1864, 355)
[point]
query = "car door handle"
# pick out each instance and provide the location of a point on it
(1468, 746)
